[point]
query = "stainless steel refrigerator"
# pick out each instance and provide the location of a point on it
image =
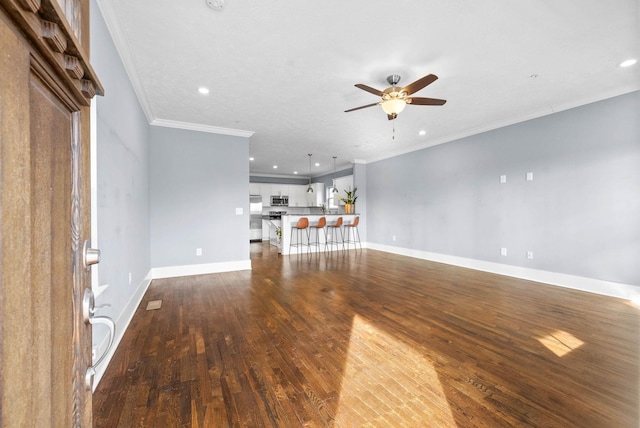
(255, 218)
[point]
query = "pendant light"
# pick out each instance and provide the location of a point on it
(309, 189)
(335, 189)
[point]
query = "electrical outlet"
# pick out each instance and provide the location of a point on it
(503, 179)
(530, 255)
(503, 251)
(129, 278)
(393, 237)
(198, 251)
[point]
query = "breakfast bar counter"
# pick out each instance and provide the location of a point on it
(291, 220)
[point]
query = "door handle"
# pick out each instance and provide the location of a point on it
(88, 313)
(112, 331)
(90, 256)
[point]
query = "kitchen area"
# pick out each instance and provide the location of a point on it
(269, 202)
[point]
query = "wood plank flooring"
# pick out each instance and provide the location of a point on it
(369, 339)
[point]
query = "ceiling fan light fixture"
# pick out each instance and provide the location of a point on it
(393, 106)
(395, 99)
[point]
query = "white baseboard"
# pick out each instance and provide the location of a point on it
(200, 269)
(122, 323)
(607, 288)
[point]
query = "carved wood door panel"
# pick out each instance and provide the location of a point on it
(45, 344)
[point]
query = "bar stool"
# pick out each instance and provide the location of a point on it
(302, 224)
(322, 222)
(332, 238)
(352, 233)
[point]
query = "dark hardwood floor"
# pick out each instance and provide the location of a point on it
(367, 338)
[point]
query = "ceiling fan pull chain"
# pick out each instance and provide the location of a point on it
(393, 122)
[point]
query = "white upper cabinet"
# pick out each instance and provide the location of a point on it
(298, 195)
(317, 198)
(280, 189)
(265, 192)
(254, 189)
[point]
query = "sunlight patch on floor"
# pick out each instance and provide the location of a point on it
(560, 342)
(386, 382)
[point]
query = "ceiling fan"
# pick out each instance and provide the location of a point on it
(395, 99)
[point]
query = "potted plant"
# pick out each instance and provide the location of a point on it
(349, 201)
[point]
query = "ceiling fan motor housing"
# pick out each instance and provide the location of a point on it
(393, 79)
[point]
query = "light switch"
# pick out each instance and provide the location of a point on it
(503, 179)
(529, 176)
(238, 211)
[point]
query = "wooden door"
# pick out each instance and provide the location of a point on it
(46, 84)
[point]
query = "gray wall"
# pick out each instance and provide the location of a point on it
(198, 180)
(360, 183)
(122, 178)
(327, 179)
(580, 215)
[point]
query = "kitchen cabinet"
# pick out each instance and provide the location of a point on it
(297, 193)
(298, 196)
(280, 189)
(265, 192)
(254, 188)
(317, 198)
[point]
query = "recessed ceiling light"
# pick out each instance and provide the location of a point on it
(251, 159)
(422, 132)
(295, 172)
(317, 163)
(628, 63)
(203, 90)
(275, 167)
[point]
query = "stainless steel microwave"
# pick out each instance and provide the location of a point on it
(279, 201)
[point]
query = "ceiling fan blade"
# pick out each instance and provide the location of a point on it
(419, 84)
(358, 108)
(369, 89)
(426, 101)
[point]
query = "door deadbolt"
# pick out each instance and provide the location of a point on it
(90, 256)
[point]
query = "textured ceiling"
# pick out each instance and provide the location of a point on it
(283, 71)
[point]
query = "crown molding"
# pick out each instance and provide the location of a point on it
(110, 16)
(202, 128)
(589, 99)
